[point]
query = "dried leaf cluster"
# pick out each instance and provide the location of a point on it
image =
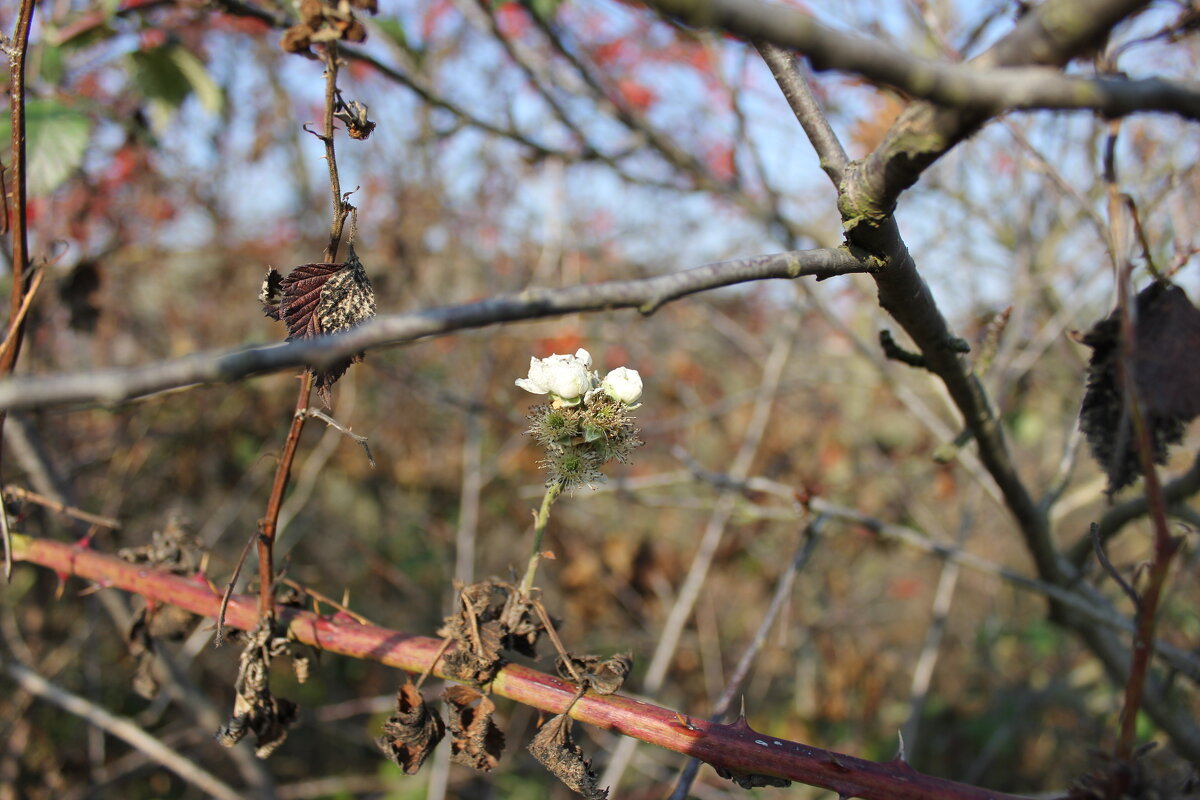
(1165, 375)
(601, 675)
(255, 709)
(1117, 779)
(493, 616)
(326, 21)
(173, 550)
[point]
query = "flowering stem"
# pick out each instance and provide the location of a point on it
(539, 530)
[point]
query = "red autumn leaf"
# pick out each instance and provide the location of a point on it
(719, 159)
(512, 20)
(636, 94)
(609, 53)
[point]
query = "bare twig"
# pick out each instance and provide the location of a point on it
(121, 728)
(990, 91)
(18, 223)
(331, 422)
(1123, 513)
(647, 295)
(17, 323)
(800, 98)
(710, 540)
(19, 493)
(783, 591)
(267, 525)
(1114, 573)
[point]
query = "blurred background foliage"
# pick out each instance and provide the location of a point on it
(170, 167)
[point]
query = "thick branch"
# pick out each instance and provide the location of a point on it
(646, 295)
(734, 747)
(962, 86)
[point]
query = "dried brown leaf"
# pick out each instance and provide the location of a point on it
(410, 734)
(554, 748)
(1166, 374)
(172, 549)
(255, 709)
(475, 740)
(601, 675)
(318, 299)
(492, 617)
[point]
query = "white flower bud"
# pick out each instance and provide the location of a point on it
(564, 377)
(623, 384)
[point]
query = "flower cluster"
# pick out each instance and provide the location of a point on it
(586, 423)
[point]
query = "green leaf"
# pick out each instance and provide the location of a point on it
(166, 75)
(56, 139)
(206, 89)
(544, 10)
(51, 63)
(394, 30)
(592, 432)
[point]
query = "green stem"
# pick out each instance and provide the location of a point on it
(539, 530)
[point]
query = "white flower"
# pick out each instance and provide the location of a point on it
(564, 377)
(623, 384)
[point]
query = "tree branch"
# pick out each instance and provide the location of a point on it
(962, 86)
(734, 747)
(647, 295)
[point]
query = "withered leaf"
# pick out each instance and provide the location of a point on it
(749, 780)
(1166, 374)
(80, 292)
(255, 709)
(319, 299)
(554, 748)
(410, 734)
(172, 549)
(492, 617)
(601, 675)
(475, 740)
(323, 21)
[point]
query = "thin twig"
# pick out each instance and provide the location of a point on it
(799, 95)
(1114, 573)
(267, 525)
(18, 223)
(710, 540)
(331, 422)
(28, 496)
(121, 728)
(783, 591)
(17, 324)
(647, 295)
(327, 600)
(1165, 546)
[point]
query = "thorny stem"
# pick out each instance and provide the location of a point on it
(733, 746)
(329, 55)
(1164, 546)
(540, 520)
(20, 242)
(267, 525)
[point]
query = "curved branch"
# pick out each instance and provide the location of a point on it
(646, 294)
(961, 86)
(121, 728)
(735, 747)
